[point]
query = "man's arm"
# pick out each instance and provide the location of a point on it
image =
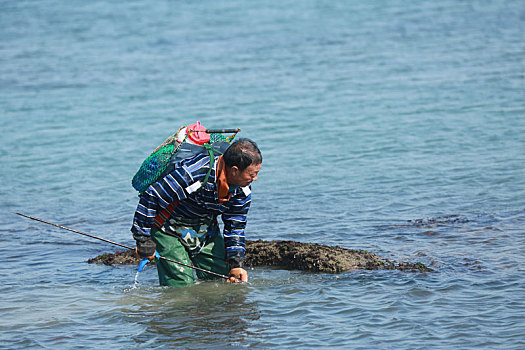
(234, 224)
(157, 197)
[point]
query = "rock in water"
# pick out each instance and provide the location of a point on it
(314, 257)
(293, 255)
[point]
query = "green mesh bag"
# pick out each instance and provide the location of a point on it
(155, 165)
(215, 137)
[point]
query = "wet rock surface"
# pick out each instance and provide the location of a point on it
(319, 258)
(293, 255)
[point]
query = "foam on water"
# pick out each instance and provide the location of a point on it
(136, 283)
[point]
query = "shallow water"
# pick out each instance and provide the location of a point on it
(394, 127)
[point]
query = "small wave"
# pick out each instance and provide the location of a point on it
(440, 220)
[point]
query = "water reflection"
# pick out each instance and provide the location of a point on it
(208, 313)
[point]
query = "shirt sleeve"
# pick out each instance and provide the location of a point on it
(158, 196)
(234, 224)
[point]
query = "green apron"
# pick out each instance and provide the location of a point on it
(195, 242)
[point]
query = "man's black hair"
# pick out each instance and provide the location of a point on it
(242, 153)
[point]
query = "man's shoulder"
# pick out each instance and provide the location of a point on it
(196, 171)
(196, 162)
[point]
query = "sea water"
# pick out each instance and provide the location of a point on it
(392, 126)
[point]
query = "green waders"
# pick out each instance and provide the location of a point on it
(175, 275)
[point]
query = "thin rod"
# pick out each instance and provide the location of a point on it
(120, 245)
(72, 230)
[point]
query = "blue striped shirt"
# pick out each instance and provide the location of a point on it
(182, 186)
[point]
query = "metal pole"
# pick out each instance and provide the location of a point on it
(222, 131)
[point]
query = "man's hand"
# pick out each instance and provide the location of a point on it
(237, 275)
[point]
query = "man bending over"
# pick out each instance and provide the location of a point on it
(177, 215)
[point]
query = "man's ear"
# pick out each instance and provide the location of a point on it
(235, 170)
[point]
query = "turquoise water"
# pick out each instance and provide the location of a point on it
(392, 126)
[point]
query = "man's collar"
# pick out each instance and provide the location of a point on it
(222, 182)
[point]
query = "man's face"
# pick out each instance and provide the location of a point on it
(243, 178)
